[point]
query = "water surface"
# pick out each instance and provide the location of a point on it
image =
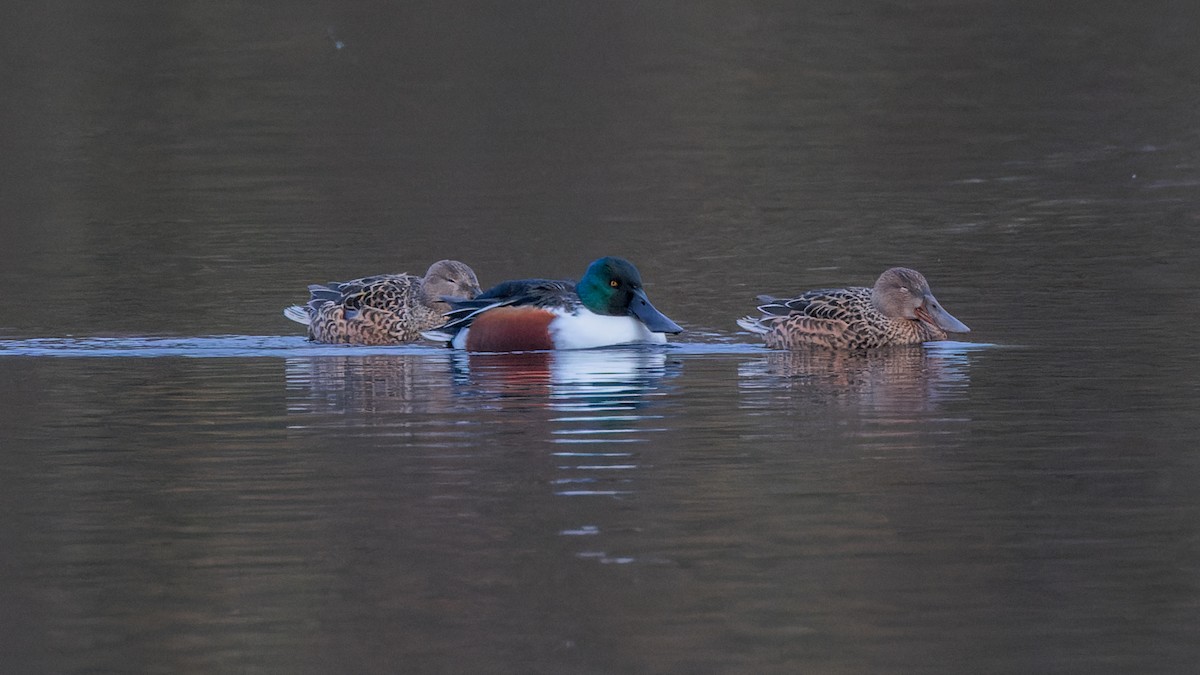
(189, 486)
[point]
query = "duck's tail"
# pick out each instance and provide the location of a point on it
(298, 314)
(753, 324)
(438, 335)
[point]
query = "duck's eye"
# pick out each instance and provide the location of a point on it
(614, 283)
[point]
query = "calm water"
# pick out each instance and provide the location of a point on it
(188, 486)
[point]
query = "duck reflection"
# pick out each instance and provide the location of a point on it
(897, 380)
(484, 435)
(591, 379)
(561, 397)
(592, 404)
(357, 385)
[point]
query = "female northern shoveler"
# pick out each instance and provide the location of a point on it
(607, 307)
(899, 310)
(386, 309)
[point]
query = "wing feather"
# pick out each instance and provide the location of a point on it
(521, 292)
(819, 317)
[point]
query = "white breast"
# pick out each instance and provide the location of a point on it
(587, 329)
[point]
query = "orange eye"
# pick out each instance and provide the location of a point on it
(614, 283)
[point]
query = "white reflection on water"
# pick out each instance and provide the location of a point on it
(575, 399)
(602, 391)
(584, 379)
(582, 421)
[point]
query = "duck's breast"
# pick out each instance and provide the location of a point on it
(585, 329)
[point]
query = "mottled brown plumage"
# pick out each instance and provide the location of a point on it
(386, 309)
(899, 310)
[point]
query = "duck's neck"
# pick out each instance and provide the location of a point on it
(432, 298)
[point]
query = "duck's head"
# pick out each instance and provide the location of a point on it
(613, 287)
(901, 293)
(448, 279)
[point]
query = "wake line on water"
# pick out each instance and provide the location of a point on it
(260, 346)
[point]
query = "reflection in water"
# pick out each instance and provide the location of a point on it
(893, 397)
(596, 381)
(887, 380)
(585, 379)
(178, 169)
(591, 408)
(599, 395)
(384, 399)
(357, 384)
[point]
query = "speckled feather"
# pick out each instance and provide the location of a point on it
(384, 309)
(379, 310)
(834, 318)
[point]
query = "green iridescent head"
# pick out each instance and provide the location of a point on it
(613, 287)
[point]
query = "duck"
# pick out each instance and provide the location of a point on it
(898, 310)
(607, 307)
(385, 309)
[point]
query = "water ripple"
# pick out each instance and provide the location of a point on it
(246, 346)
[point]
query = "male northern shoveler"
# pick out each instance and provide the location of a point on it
(386, 309)
(607, 307)
(899, 310)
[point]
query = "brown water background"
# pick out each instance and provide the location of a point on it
(186, 486)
